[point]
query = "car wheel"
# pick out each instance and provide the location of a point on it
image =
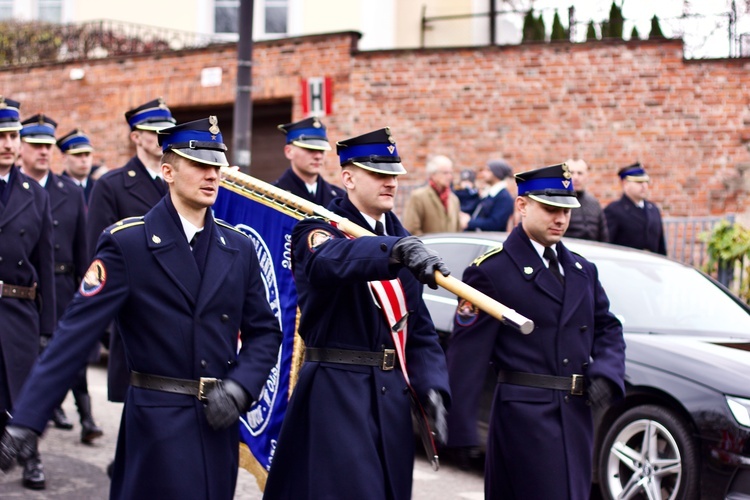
(648, 453)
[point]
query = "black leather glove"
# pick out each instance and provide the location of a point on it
(420, 260)
(17, 444)
(225, 404)
(600, 392)
(436, 416)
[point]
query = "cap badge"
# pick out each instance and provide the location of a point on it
(41, 120)
(566, 171)
(316, 123)
(391, 149)
(3, 104)
(214, 128)
(566, 184)
(162, 104)
(156, 239)
(528, 270)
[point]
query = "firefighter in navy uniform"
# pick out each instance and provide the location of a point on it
(77, 161)
(306, 146)
(179, 308)
(633, 221)
(70, 249)
(129, 191)
(27, 280)
(540, 439)
(349, 416)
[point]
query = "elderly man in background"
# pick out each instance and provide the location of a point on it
(587, 223)
(434, 208)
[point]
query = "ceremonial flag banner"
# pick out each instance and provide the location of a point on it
(271, 231)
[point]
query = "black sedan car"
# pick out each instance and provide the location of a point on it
(683, 429)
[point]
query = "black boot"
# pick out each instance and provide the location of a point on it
(60, 419)
(33, 471)
(89, 429)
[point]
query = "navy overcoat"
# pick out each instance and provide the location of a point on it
(26, 257)
(347, 432)
(635, 227)
(128, 191)
(540, 440)
(175, 323)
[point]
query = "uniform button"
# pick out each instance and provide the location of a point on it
(565, 362)
(567, 399)
(57, 247)
(231, 362)
(22, 232)
(20, 263)
(55, 223)
(203, 363)
(224, 318)
(406, 389)
(584, 328)
(383, 390)
(384, 247)
(1, 259)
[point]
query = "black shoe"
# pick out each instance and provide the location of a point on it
(90, 431)
(61, 420)
(33, 474)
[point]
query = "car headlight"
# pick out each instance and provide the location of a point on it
(740, 408)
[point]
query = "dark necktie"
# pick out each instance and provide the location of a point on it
(554, 265)
(2, 188)
(194, 241)
(379, 229)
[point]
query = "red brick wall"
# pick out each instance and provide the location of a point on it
(609, 103)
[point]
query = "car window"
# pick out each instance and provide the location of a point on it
(664, 297)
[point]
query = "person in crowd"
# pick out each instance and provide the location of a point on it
(434, 208)
(129, 191)
(633, 221)
(306, 146)
(190, 381)
(371, 347)
(496, 206)
(27, 279)
(77, 160)
(540, 439)
(467, 191)
(587, 223)
(70, 250)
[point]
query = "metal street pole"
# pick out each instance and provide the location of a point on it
(243, 104)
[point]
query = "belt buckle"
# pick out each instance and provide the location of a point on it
(205, 385)
(389, 359)
(576, 385)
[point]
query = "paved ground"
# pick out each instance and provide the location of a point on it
(77, 471)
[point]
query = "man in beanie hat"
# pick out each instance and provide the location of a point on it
(181, 285)
(540, 440)
(496, 207)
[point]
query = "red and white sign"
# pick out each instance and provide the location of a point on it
(317, 96)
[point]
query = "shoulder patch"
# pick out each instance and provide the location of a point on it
(126, 223)
(94, 280)
(229, 226)
(317, 237)
(466, 313)
(489, 253)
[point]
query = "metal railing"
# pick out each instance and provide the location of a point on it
(684, 237)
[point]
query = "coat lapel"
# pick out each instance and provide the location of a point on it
(20, 198)
(530, 265)
(575, 281)
(57, 190)
(169, 247)
(139, 183)
(219, 261)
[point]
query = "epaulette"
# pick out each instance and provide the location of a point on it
(229, 226)
(125, 223)
(489, 253)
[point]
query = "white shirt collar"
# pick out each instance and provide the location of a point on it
(540, 250)
(43, 180)
(153, 174)
(5, 177)
(372, 221)
(189, 228)
(312, 188)
(496, 188)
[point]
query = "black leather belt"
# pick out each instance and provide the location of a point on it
(385, 359)
(63, 268)
(17, 292)
(198, 388)
(573, 384)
